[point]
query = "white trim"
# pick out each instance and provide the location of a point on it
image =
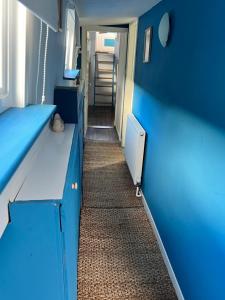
(84, 76)
(121, 80)
(129, 84)
(20, 59)
(163, 250)
(4, 45)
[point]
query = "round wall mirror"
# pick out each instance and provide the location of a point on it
(164, 29)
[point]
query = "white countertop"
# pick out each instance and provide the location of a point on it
(47, 178)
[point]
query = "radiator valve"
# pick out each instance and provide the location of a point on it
(138, 192)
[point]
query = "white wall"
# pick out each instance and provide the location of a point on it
(121, 76)
(91, 62)
(17, 48)
(100, 37)
(129, 85)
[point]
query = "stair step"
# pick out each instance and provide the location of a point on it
(104, 90)
(103, 86)
(105, 62)
(104, 71)
(104, 54)
(102, 99)
(104, 104)
(104, 94)
(103, 78)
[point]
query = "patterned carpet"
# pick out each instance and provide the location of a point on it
(119, 258)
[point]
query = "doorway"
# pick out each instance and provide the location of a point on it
(105, 74)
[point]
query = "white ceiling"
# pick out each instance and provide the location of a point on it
(112, 11)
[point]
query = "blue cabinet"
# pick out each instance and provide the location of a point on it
(39, 249)
(31, 253)
(71, 219)
(66, 100)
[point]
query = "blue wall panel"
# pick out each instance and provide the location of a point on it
(39, 249)
(31, 253)
(179, 99)
(66, 100)
(71, 219)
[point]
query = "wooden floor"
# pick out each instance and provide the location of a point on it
(101, 124)
(102, 134)
(101, 116)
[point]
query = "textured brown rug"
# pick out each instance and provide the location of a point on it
(119, 258)
(107, 181)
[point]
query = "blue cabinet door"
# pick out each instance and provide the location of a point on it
(31, 253)
(66, 100)
(71, 218)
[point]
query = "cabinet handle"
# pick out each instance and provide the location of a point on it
(74, 186)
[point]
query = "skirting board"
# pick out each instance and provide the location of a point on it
(163, 251)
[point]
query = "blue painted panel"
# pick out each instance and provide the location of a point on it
(19, 129)
(81, 134)
(71, 205)
(31, 253)
(179, 99)
(71, 74)
(39, 249)
(66, 99)
(71, 219)
(109, 42)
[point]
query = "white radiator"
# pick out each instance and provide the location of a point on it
(134, 148)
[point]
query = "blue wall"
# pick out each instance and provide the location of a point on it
(180, 100)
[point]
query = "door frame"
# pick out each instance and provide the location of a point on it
(121, 80)
(85, 67)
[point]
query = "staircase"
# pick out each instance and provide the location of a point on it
(104, 79)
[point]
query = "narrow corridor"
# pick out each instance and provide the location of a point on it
(118, 257)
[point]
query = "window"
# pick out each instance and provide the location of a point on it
(4, 32)
(109, 42)
(70, 39)
(147, 45)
